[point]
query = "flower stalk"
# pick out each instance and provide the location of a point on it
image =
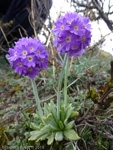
(65, 81)
(37, 98)
(59, 86)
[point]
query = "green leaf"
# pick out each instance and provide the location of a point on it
(34, 126)
(35, 115)
(59, 136)
(40, 135)
(50, 120)
(34, 135)
(61, 125)
(51, 138)
(62, 113)
(43, 137)
(71, 135)
(46, 110)
(74, 114)
(46, 118)
(53, 110)
(48, 128)
(34, 132)
(69, 125)
(69, 111)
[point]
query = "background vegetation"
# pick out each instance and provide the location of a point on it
(90, 87)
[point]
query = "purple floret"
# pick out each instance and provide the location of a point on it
(72, 34)
(32, 72)
(61, 27)
(20, 68)
(77, 27)
(87, 24)
(28, 57)
(85, 39)
(66, 42)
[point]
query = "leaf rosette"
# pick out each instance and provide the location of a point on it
(52, 128)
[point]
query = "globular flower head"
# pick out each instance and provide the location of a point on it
(27, 55)
(72, 34)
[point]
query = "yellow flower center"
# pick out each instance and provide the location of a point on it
(31, 48)
(76, 28)
(75, 47)
(38, 52)
(85, 25)
(62, 27)
(83, 40)
(42, 59)
(30, 58)
(68, 39)
(20, 64)
(29, 69)
(24, 53)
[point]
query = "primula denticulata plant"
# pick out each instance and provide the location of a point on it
(55, 121)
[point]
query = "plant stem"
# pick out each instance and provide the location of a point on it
(65, 81)
(59, 86)
(37, 98)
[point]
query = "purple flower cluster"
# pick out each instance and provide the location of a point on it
(28, 57)
(72, 34)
